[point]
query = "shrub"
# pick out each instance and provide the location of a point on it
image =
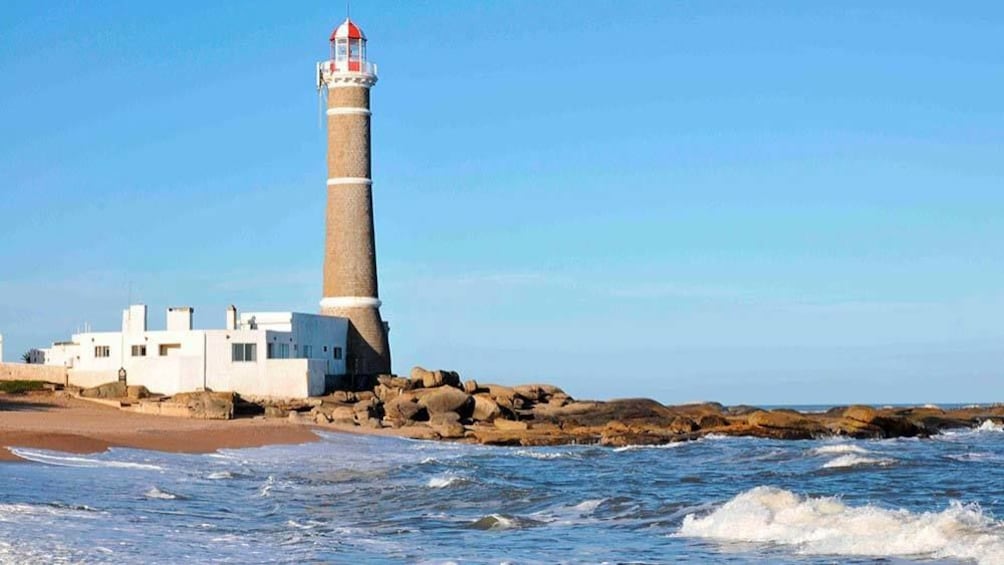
(18, 387)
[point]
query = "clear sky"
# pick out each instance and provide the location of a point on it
(761, 202)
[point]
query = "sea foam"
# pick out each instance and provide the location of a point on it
(827, 526)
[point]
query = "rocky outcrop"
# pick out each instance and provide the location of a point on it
(439, 405)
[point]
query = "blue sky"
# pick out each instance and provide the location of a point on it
(776, 202)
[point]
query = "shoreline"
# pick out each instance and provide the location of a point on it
(62, 423)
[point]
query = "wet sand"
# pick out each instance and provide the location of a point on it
(46, 420)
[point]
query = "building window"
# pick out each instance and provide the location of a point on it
(338, 352)
(170, 349)
(139, 351)
(307, 350)
(102, 351)
(274, 350)
(244, 352)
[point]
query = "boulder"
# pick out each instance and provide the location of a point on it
(107, 390)
(390, 381)
(449, 378)
(342, 396)
(404, 409)
(471, 386)
(682, 425)
(742, 410)
(447, 399)
(485, 409)
(372, 423)
(444, 418)
(865, 414)
(320, 418)
(299, 417)
(712, 421)
(449, 430)
(511, 425)
(137, 392)
(276, 412)
(421, 376)
(506, 397)
(386, 393)
(559, 400)
(775, 419)
(207, 405)
(341, 414)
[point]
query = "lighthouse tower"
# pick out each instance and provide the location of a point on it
(350, 273)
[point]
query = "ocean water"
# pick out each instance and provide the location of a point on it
(353, 499)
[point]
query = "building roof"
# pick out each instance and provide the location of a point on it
(348, 30)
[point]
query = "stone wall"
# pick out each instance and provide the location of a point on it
(25, 372)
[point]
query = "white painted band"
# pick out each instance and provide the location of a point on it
(349, 180)
(350, 302)
(351, 111)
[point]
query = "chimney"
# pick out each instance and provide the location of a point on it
(231, 317)
(134, 319)
(179, 319)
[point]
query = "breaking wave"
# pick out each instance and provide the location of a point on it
(990, 426)
(855, 460)
(76, 461)
(443, 482)
(827, 526)
(839, 448)
(157, 494)
(660, 446)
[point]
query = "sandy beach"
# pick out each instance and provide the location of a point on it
(45, 420)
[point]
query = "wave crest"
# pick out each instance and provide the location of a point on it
(827, 526)
(854, 460)
(839, 448)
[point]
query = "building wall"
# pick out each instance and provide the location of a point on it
(205, 359)
(26, 372)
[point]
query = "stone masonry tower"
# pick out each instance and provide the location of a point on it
(350, 273)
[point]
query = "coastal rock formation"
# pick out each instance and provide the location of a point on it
(439, 405)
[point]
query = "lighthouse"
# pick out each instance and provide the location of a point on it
(350, 271)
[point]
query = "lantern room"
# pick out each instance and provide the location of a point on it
(348, 47)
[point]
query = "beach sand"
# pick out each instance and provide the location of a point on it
(45, 420)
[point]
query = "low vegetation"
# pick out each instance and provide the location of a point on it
(19, 387)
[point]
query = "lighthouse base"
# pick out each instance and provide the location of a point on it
(367, 347)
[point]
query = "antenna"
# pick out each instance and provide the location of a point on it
(347, 9)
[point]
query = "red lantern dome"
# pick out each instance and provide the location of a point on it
(348, 30)
(348, 47)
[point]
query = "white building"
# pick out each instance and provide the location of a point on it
(279, 354)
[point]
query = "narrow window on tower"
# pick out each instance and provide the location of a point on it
(337, 352)
(353, 49)
(340, 47)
